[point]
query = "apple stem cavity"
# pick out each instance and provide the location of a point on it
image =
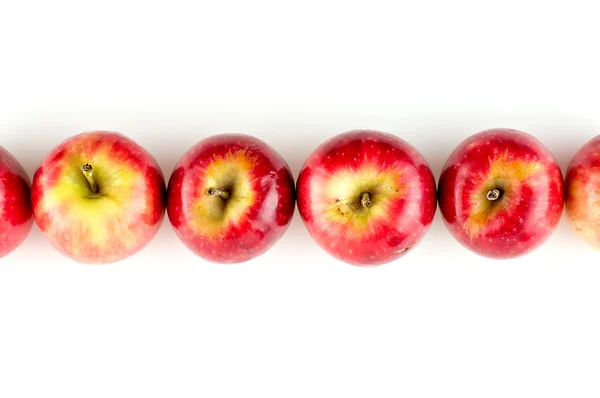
(89, 176)
(365, 200)
(218, 192)
(493, 195)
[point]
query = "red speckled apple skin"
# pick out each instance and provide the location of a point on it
(582, 192)
(402, 189)
(532, 186)
(113, 225)
(254, 218)
(15, 204)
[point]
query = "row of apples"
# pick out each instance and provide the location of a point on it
(365, 196)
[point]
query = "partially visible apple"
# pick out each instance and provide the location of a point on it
(99, 197)
(582, 192)
(15, 204)
(501, 193)
(230, 198)
(366, 197)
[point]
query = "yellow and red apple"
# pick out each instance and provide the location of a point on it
(366, 197)
(99, 197)
(501, 193)
(15, 204)
(582, 192)
(230, 198)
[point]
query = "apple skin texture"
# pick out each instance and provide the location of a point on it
(582, 192)
(15, 204)
(116, 221)
(521, 172)
(400, 205)
(257, 212)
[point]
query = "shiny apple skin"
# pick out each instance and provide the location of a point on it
(531, 204)
(124, 217)
(582, 192)
(257, 224)
(360, 156)
(15, 205)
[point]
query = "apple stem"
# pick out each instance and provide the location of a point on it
(365, 200)
(218, 192)
(87, 172)
(493, 195)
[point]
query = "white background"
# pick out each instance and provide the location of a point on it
(440, 322)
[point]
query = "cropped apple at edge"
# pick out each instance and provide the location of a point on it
(15, 204)
(501, 193)
(230, 198)
(366, 197)
(99, 197)
(582, 192)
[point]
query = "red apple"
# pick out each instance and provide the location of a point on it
(366, 197)
(501, 193)
(15, 204)
(582, 188)
(99, 197)
(230, 198)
